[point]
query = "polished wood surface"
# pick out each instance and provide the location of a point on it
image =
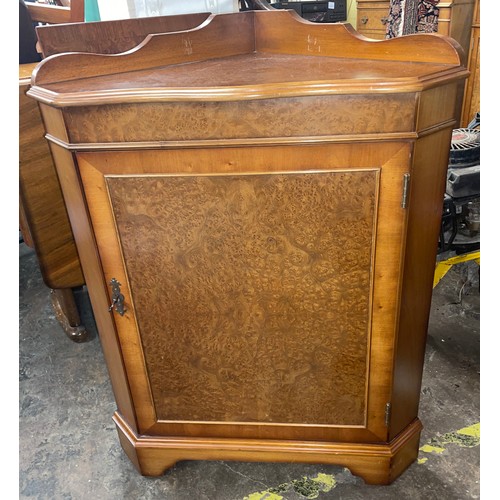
(245, 72)
(63, 303)
(458, 19)
(97, 287)
(258, 243)
(185, 123)
(43, 219)
(264, 250)
(41, 196)
(61, 86)
(95, 168)
(427, 187)
(110, 37)
(377, 463)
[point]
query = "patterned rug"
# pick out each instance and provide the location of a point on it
(412, 16)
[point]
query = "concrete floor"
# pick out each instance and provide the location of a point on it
(68, 447)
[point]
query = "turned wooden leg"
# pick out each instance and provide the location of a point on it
(63, 302)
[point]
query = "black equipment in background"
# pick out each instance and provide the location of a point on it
(319, 12)
(460, 230)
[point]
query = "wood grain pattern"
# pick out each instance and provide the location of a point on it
(64, 306)
(41, 199)
(239, 120)
(228, 300)
(256, 71)
(391, 157)
(110, 37)
(313, 40)
(84, 239)
(242, 302)
(258, 31)
(158, 50)
(44, 219)
(428, 183)
(432, 111)
(375, 463)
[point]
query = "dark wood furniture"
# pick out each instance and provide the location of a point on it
(43, 218)
(257, 221)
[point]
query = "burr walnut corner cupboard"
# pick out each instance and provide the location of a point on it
(256, 205)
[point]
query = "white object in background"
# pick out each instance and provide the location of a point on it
(113, 9)
(148, 8)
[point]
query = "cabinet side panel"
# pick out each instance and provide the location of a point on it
(252, 292)
(436, 106)
(90, 261)
(428, 179)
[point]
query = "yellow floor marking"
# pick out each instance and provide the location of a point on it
(312, 487)
(327, 481)
(472, 430)
(263, 495)
(307, 487)
(444, 266)
(467, 437)
(427, 448)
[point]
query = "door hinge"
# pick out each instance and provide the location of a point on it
(406, 188)
(388, 407)
(117, 298)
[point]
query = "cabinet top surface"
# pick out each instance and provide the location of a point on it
(249, 55)
(254, 69)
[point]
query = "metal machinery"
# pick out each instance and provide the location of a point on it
(460, 226)
(317, 11)
(312, 10)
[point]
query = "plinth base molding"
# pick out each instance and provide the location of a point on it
(376, 463)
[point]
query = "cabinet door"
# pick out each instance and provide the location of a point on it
(260, 285)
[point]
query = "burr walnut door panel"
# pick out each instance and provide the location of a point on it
(259, 300)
